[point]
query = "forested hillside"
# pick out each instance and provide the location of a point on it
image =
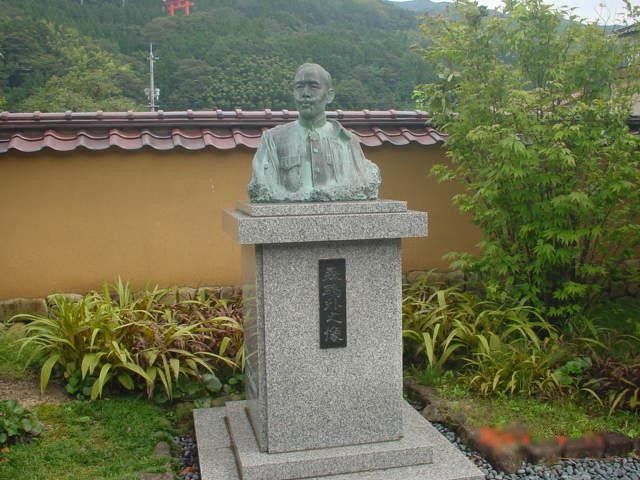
(70, 55)
(425, 6)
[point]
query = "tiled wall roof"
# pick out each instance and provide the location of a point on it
(193, 130)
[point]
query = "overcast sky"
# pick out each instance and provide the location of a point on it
(604, 11)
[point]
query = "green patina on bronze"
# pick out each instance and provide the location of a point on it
(312, 159)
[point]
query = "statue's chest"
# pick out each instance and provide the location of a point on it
(310, 161)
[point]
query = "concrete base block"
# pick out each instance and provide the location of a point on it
(374, 461)
(413, 448)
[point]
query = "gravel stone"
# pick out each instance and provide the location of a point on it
(626, 468)
(613, 468)
(189, 464)
(162, 449)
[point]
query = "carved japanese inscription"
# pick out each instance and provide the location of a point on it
(333, 303)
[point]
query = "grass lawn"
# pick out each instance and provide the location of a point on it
(542, 419)
(107, 439)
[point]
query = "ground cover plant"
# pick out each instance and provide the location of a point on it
(116, 340)
(16, 423)
(509, 350)
(498, 348)
(103, 439)
(616, 383)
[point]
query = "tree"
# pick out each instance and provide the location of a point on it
(191, 89)
(251, 81)
(351, 94)
(538, 138)
(339, 34)
(28, 58)
(92, 80)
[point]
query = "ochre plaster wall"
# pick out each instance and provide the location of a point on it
(405, 176)
(71, 221)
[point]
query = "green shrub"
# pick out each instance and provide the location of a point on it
(115, 339)
(517, 367)
(16, 423)
(510, 349)
(12, 364)
(571, 373)
(539, 141)
(615, 383)
(498, 348)
(448, 320)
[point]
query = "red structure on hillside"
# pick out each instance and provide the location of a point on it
(172, 5)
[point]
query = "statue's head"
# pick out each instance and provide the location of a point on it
(312, 90)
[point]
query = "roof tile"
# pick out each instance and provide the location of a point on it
(193, 130)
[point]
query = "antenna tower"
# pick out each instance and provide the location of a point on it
(152, 93)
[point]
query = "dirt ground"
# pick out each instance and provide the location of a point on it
(27, 392)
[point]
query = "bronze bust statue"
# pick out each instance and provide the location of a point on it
(312, 159)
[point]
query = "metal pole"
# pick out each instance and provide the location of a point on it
(153, 94)
(152, 87)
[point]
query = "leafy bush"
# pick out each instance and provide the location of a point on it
(446, 320)
(499, 348)
(120, 340)
(509, 349)
(571, 373)
(13, 365)
(539, 141)
(616, 383)
(16, 423)
(516, 367)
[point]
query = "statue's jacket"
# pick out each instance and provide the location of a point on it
(294, 163)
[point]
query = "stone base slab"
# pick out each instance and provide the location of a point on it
(321, 208)
(413, 449)
(254, 230)
(218, 461)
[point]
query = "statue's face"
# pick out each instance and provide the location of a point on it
(311, 92)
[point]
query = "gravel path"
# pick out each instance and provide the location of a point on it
(187, 445)
(627, 468)
(27, 392)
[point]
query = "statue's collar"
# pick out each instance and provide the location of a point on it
(337, 130)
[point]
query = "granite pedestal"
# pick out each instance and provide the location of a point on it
(322, 296)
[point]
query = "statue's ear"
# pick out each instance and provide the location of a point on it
(331, 94)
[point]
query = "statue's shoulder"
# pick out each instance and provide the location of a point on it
(341, 132)
(281, 131)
